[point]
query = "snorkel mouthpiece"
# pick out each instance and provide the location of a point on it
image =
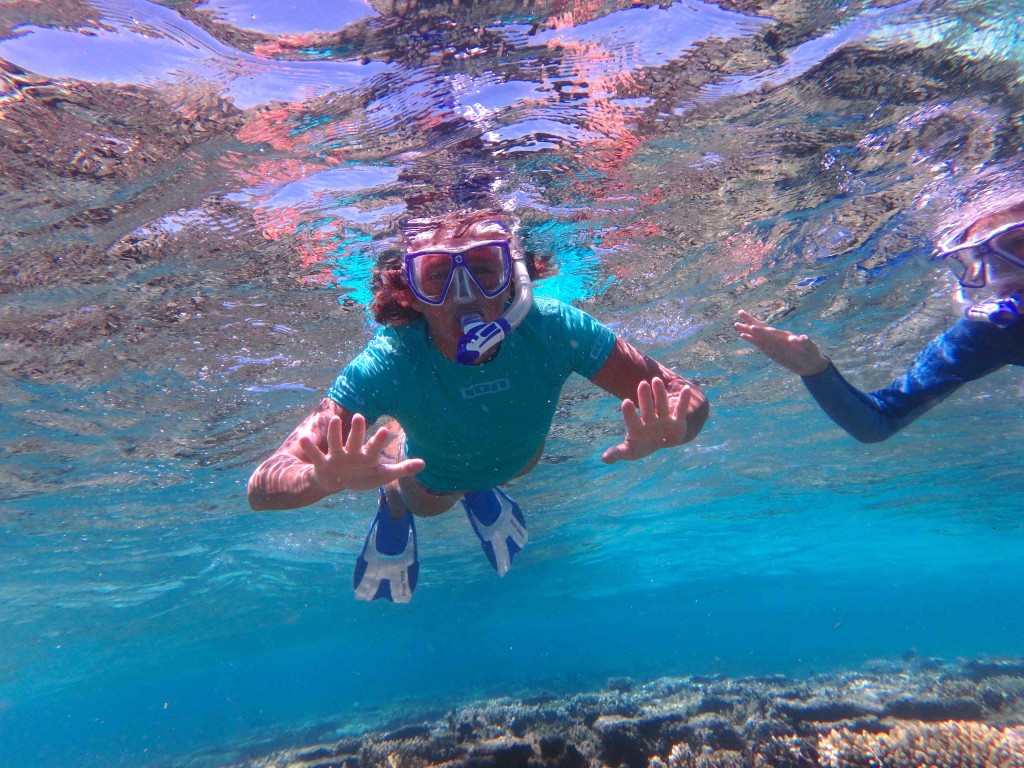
(478, 337)
(1001, 312)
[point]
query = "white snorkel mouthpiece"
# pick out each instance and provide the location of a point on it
(479, 337)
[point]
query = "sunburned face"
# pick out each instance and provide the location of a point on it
(445, 320)
(1002, 275)
(463, 297)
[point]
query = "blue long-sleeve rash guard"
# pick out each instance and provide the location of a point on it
(967, 351)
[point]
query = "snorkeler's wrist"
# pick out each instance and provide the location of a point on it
(823, 365)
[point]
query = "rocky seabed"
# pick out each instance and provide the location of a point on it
(968, 714)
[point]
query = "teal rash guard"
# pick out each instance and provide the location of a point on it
(475, 426)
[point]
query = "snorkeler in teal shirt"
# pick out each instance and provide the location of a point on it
(469, 370)
(503, 409)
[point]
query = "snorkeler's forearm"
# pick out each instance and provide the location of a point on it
(856, 412)
(627, 366)
(283, 482)
(698, 411)
(965, 352)
(287, 479)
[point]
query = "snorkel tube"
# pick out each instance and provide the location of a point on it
(477, 336)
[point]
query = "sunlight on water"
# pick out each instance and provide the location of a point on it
(195, 196)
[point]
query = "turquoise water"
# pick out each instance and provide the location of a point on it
(193, 196)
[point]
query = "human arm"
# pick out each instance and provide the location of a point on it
(660, 408)
(325, 454)
(856, 412)
(965, 352)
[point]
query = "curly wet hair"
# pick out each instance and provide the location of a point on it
(393, 300)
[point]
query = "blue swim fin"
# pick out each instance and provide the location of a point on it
(389, 565)
(498, 523)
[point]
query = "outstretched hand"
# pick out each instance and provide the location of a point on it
(352, 464)
(793, 351)
(660, 422)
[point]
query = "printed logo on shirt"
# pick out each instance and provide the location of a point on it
(595, 351)
(485, 388)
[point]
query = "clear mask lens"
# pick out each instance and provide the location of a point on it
(490, 267)
(430, 275)
(968, 266)
(1009, 245)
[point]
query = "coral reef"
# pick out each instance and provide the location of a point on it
(920, 714)
(682, 756)
(913, 745)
